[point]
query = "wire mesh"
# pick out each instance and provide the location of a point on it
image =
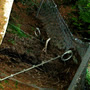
(57, 29)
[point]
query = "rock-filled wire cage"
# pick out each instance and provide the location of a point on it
(57, 29)
(60, 37)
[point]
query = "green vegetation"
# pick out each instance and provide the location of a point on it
(1, 87)
(17, 30)
(12, 41)
(88, 77)
(77, 23)
(16, 84)
(84, 7)
(6, 81)
(80, 17)
(84, 14)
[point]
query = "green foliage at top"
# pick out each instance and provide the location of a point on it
(84, 7)
(80, 18)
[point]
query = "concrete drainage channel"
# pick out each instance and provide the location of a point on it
(78, 81)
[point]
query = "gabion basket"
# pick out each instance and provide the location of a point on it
(61, 36)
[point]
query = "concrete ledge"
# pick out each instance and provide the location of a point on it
(5, 10)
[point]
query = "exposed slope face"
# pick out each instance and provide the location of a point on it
(5, 9)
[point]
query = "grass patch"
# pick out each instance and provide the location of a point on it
(17, 30)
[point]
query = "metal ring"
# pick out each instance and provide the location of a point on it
(39, 33)
(66, 53)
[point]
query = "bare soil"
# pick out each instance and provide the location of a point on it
(26, 52)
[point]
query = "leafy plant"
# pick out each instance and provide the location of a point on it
(88, 77)
(11, 41)
(6, 81)
(76, 23)
(84, 7)
(80, 18)
(1, 86)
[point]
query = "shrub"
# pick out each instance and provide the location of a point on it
(84, 8)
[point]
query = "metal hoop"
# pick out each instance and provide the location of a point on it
(66, 53)
(39, 33)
